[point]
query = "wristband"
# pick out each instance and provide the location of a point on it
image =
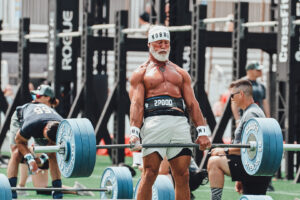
(237, 121)
(29, 158)
(135, 131)
(201, 130)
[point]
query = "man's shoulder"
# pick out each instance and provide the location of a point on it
(141, 69)
(176, 67)
(173, 64)
(138, 73)
(254, 111)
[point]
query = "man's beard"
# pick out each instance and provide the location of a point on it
(160, 57)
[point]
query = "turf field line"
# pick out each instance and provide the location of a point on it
(285, 193)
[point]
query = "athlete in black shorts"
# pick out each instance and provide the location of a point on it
(228, 161)
(38, 120)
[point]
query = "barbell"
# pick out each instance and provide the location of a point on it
(261, 148)
(116, 183)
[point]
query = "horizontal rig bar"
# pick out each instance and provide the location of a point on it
(36, 36)
(9, 32)
(69, 34)
(61, 189)
(102, 26)
(296, 22)
(217, 20)
(260, 24)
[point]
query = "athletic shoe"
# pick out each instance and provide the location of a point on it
(82, 193)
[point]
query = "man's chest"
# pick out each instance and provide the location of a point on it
(156, 76)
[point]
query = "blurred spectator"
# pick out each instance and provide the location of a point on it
(167, 12)
(144, 19)
(8, 93)
(218, 107)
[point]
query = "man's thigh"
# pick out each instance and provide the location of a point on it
(180, 164)
(152, 161)
(236, 167)
(164, 167)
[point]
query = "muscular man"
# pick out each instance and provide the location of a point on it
(38, 120)
(160, 91)
(228, 161)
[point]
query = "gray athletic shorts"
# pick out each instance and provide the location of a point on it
(165, 129)
(14, 127)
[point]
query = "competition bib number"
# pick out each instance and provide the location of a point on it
(42, 110)
(163, 102)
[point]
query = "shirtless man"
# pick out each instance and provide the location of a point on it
(160, 91)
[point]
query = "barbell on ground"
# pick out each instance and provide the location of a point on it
(261, 148)
(116, 183)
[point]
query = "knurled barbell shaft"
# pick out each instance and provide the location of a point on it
(55, 148)
(60, 189)
(167, 145)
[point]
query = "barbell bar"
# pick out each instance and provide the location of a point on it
(261, 147)
(62, 189)
(61, 149)
(116, 183)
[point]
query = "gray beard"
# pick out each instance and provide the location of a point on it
(159, 57)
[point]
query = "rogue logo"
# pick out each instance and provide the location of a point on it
(284, 36)
(67, 41)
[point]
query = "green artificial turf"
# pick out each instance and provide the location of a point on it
(284, 190)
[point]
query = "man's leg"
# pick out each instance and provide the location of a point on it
(40, 179)
(151, 165)
(180, 172)
(23, 174)
(12, 168)
(55, 175)
(217, 166)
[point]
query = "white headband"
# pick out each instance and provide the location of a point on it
(158, 33)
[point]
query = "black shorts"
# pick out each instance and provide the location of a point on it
(251, 184)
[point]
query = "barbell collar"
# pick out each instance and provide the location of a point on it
(48, 149)
(61, 189)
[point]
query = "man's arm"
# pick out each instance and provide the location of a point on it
(21, 143)
(194, 111)
(266, 107)
(191, 102)
(136, 95)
